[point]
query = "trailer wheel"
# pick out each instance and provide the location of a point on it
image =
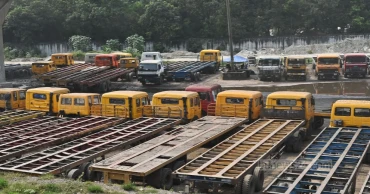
(318, 122)
(166, 179)
(84, 168)
(259, 176)
(176, 166)
(248, 186)
(74, 174)
(195, 118)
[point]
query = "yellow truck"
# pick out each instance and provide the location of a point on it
(42, 67)
(237, 103)
(290, 105)
(129, 63)
(77, 104)
(328, 66)
(295, 68)
(122, 55)
(211, 55)
(12, 98)
(350, 113)
(62, 59)
(184, 105)
(44, 99)
(124, 104)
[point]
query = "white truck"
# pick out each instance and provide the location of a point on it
(151, 68)
(270, 67)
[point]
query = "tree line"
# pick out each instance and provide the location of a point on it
(36, 21)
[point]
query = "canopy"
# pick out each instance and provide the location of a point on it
(237, 59)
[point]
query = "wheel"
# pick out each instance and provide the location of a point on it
(248, 185)
(74, 174)
(84, 168)
(294, 143)
(259, 177)
(143, 83)
(195, 118)
(129, 77)
(161, 179)
(176, 166)
(204, 113)
(297, 145)
(103, 87)
(318, 122)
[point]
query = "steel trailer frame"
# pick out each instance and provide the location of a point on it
(59, 159)
(49, 77)
(366, 186)
(329, 165)
(14, 116)
(32, 138)
(139, 163)
(70, 79)
(190, 68)
(237, 156)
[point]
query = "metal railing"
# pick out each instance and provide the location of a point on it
(228, 110)
(283, 112)
(109, 111)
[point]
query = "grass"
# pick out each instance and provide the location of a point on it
(129, 187)
(47, 177)
(3, 183)
(51, 188)
(95, 189)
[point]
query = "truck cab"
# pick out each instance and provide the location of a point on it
(125, 104)
(207, 94)
(355, 65)
(42, 67)
(211, 55)
(151, 56)
(12, 98)
(62, 59)
(295, 68)
(237, 103)
(151, 71)
(350, 113)
(111, 60)
(183, 105)
(44, 99)
(270, 68)
(90, 57)
(328, 66)
(129, 63)
(77, 104)
(290, 105)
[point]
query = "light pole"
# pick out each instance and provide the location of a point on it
(230, 34)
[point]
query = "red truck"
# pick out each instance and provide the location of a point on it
(111, 60)
(355, 64)
(207, 93)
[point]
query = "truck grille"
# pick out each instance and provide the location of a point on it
(296, 70)
(327, 70)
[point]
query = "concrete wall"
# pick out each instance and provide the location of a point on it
(247, 44)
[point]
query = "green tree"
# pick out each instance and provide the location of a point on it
(80, 43)
(135, 45)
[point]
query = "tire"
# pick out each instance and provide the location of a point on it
(84, 168)
(259, 176)
(195, 118)
(294, 143)
(74, 174)
(297, 145)
(248, 185)
(318, 123)
(176, 166)
(143, 83)
(161, 179)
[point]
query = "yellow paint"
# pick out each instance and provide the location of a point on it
(78, 103)
(44, 99)
(352, 113)
(12, 98)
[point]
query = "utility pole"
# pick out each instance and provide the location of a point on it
(230, 34)
(4, 8)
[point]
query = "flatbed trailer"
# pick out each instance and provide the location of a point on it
(14, 116)
(329, 165)
(152, 162)
(237, 158)
(173, 67)
(366, 186)
(32, 138)
(49, 78)
(103, 79)
(68, 80)
(190, 70)
(81, 152)
(14, 71)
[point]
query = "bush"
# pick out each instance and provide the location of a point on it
(82, 43)
(194, 45)
(52, 188)
(113, 44)
(129, 187)
(136, 42)
(3, 183)
(95, 189)
(79, 55)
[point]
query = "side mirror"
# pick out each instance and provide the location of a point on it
(159, 67)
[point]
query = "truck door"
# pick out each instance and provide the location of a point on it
(15, 102)
(22, 99)
(197, 107)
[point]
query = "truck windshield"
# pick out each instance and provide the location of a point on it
(104, 59)
(328, 61)
(148, 67)
(296, 62)
(356, 59)
(5, 96)
(268, 62)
